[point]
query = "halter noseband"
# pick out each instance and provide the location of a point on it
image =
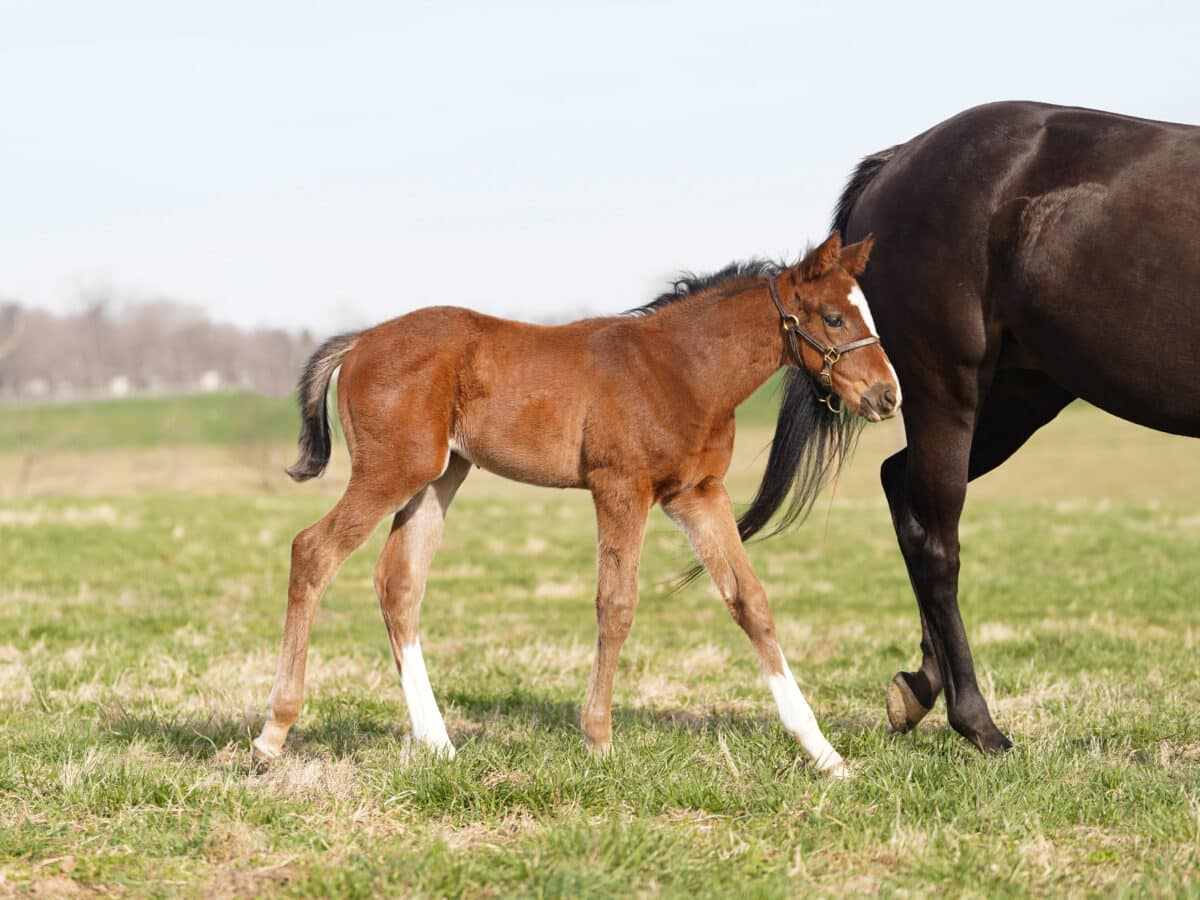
(829, 354)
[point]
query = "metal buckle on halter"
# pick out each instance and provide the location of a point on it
(828, 401)
(790, 323)
(825, 379)
(832, 355)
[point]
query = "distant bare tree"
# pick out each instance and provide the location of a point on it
(157, 346)
(12, 324)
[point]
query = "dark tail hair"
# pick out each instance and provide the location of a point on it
(863, 176)
(316, 442)
(809, 446)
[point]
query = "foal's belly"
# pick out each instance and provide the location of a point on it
(534, 439)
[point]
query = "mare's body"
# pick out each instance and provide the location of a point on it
(1028, 255)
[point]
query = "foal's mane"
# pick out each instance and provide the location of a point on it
(689, 284)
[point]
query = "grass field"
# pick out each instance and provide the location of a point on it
(144, 549)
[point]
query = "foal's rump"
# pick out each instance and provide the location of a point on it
(510, 397)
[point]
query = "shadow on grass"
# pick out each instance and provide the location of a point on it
(520, 707)
(193, 738)
(336, 735)
(343, 730)
(526, 708)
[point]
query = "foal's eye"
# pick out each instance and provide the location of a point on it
(833, 320)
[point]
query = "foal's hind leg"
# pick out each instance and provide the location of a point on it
(621, 524)
(400, 582)
(705, 515)
(317, 553)
(1019, 403)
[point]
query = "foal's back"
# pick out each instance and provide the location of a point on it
(546, 405)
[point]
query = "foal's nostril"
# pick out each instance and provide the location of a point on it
(881, 399)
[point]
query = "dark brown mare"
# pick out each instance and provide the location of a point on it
(1028, 255)
(637, 409)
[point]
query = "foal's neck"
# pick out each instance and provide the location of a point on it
(728, 344)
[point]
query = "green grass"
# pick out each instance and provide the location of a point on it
(202, 419)
(138, 636)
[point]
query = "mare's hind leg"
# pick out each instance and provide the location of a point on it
(705, 514)
(621, 513)
(1019, 402)
(400, 582)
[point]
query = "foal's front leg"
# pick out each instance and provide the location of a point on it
(621, 524)
(705, 515)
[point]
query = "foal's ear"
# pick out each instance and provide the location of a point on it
(821, 261)
(854, 257)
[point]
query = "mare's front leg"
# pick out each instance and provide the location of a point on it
(910, 695)
(1019, 402)
(705, 515)
(926, 506)
(621, 511)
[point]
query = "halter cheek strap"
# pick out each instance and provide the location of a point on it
(829, 354)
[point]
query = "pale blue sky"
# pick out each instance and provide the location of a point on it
(333, 165)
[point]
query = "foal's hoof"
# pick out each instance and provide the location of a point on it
(904, 710)
(598, 749)
(839, 771)
(262, 754)
(442, 748)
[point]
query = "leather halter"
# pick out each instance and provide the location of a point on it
(829, 354)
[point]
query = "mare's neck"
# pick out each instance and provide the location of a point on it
(727, 346)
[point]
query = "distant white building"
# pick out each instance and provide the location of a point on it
(37, 387)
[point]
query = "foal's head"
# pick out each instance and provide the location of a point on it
(830, 310)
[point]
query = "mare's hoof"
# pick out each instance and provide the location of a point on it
(904, 710)
(995, 744)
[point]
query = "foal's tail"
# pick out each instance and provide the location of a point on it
(316, 442)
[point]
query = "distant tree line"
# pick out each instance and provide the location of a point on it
(155, 347)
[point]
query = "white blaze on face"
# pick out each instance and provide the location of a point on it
(859, 302)
(798, 718)
(427, 724)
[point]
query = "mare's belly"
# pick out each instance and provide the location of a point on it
(1151, 378)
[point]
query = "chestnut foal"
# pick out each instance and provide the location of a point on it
(638, 409)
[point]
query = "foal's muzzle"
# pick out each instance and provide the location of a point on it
(878, 402)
